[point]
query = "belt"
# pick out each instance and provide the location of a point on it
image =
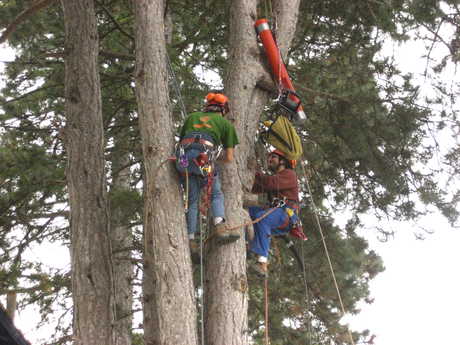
(199, 141)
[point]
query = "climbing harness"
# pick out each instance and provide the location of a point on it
(288, 99)
(293, 222)
(196, 155)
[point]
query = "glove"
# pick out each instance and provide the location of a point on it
(298, 233)
(202, 159)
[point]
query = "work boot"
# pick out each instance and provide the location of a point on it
(224, 235)
(260, 269)
(195, 252)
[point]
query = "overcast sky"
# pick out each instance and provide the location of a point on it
(417, 297)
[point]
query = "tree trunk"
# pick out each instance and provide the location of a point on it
(286, 13)
(92, 284)
(11, 304)
(226, 289)
(122, 243)
(226, 285)
(169, 301)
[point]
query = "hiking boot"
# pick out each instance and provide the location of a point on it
(260, 269)
(195, 252)
(224, 235)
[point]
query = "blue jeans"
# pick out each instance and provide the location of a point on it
(265, 228)
(195, 184)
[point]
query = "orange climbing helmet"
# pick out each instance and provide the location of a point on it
(218, 99)
(290, 162)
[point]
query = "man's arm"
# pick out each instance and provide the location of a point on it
(286, 179)
(228, 155)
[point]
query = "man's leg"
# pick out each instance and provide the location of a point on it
(263, 229)
(217, 201)
(192, 215)
(223, 235)
(193, 201)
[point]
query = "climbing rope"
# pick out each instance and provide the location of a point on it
(201, 279)
(267, 339)
(186, 189)
(249, 222)
(176, 87)
(318, 223)
(268, 9)
(307, 297)
(207, 196)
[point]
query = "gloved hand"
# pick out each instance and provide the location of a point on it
(298, 232)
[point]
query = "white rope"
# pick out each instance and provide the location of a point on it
(201, 280)
(315, 212)
(183, 111)
(307, 297)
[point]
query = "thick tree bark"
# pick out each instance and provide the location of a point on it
(286, 13)
(226, 285)
(169, 301)
(122, 243)
(92, 284)
(11, 304)
(226, 288)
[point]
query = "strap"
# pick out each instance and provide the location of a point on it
(196, 140)
(286, 223)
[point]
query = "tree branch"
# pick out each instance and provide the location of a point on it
(114, 21)
(23, 16)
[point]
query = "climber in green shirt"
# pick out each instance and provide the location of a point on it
(200, 136)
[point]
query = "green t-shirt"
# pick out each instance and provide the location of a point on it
(222, 131)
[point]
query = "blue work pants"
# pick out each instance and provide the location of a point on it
(195, 185)
(265, 228)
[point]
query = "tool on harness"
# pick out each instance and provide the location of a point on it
(183, 161)
(196, 155)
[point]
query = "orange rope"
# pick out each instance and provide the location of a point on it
(267, 340)
(249, 222)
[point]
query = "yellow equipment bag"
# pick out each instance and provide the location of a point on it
(282, 135)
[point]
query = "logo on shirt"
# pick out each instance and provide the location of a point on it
(203, 124)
